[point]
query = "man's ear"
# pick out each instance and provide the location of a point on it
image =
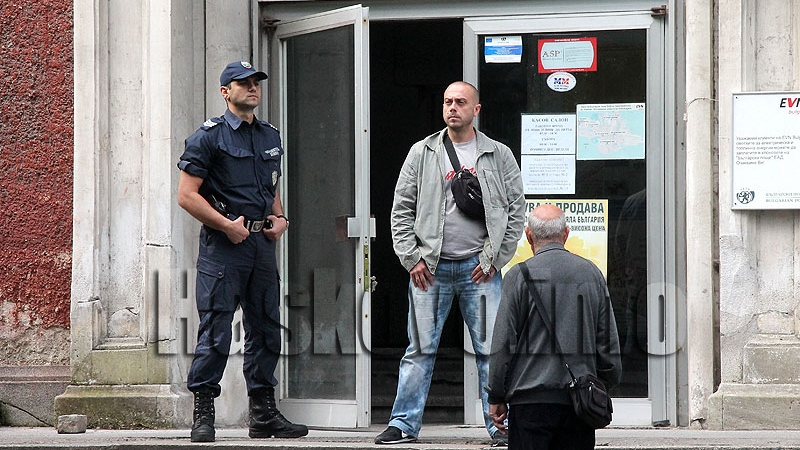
(529, 236)
(566, 233)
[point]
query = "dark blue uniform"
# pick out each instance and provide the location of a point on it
(240, 167)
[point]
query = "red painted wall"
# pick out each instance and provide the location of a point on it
(36, 119)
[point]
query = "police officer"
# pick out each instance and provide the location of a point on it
(228, 181)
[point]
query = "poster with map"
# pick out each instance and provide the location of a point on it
(610, 131)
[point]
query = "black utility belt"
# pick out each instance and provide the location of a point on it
(251, 224)
(257, 225)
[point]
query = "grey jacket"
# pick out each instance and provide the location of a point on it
(576, 298)
(417, 218)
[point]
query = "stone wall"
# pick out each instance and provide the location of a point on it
(759, 270)
(36, 161)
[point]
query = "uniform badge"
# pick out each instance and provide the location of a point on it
(210, 123)
(274, 177)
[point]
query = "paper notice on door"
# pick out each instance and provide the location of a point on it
(548, 134)
(548, 174)
(502, 49)
(569, 55)
(611, 131)
(588, 230)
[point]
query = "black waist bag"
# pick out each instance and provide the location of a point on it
(590, 400)
(465, 186)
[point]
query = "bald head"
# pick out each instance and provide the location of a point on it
(466, 88)
(546, 224)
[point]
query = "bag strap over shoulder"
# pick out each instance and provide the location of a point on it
(537, 305)
(451, 152)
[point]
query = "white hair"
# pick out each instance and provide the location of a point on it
(547, 229)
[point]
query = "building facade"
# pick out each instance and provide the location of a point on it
(622, 112)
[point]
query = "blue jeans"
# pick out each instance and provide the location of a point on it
(427, 312)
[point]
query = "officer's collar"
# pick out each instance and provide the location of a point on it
(235, 121)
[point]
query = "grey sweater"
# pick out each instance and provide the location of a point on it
(576, 298)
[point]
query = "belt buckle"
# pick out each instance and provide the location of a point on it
(254, 225)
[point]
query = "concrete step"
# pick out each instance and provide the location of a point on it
(441, 437)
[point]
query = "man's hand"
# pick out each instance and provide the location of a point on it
(236, 231)
(479, 277)
(421, 276)
(498, 414)
(279, 226)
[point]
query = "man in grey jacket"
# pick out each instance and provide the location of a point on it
(527, 372)
(447, 253)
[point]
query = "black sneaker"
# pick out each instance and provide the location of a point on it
(499, 440)
(393, 435)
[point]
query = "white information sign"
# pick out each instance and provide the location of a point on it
(548, 134)
(548, 174)
(765, 151)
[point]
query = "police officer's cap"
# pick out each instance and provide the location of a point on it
(239, 70)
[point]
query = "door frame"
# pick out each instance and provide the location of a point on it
(360, 228)
(659, 407)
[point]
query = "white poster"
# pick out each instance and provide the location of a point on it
(765, 153)
(548, 134)
(548, 174)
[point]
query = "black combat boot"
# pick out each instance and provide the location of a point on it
(203, 426)
(265, 419)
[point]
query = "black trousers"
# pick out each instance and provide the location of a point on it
(547, 426)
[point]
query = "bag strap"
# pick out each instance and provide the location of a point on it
(451, 152)
(537, 304)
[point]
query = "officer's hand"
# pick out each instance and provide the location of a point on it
(421, 276)
(236, 231)
(479, 277)
(279, 226)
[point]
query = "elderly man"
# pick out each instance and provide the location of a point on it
(525, 369)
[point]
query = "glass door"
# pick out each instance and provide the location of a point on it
(324, 89)
(580, 100)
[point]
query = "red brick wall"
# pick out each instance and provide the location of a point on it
(36, 119)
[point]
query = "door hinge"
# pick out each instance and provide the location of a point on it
(659, 11)
(269, 23)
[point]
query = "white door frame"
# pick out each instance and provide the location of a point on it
(661, 293)
(332, 412)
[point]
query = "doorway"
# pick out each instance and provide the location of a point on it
(395, 100)
(411, 64)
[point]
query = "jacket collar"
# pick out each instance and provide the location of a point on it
(436, 141)
(550, 246)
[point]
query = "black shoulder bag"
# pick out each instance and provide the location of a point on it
(465, 186)
(589, 395)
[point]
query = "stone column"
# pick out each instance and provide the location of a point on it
(132, 72)
(699, 195)
(759, 268)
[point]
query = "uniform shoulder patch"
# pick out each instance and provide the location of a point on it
(210, 123)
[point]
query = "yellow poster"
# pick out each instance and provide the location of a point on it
(588, 231)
